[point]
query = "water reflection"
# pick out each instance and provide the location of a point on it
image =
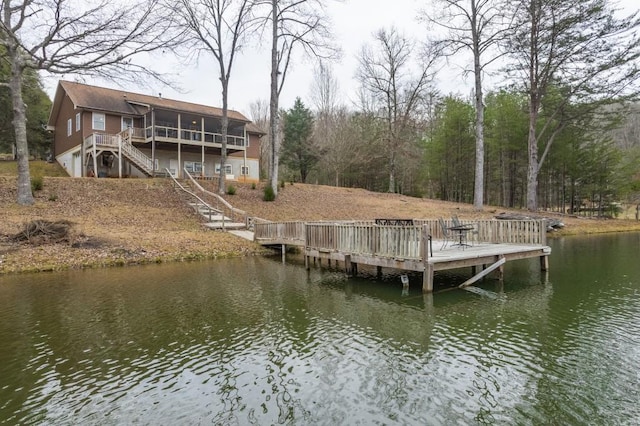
(253, 341)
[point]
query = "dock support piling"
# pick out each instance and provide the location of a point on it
(347, 265)
(544, 263)
(500, 270)
(427, 278)
(379, 272)
(284, 252)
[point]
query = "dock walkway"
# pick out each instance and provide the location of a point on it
(418, 247)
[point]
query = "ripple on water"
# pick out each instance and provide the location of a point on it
(297, 351)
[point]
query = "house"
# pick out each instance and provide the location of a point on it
(112, 133)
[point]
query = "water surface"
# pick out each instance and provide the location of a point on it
(252, 341)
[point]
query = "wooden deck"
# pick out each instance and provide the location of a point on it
(418, 247)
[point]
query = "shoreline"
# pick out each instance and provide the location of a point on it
(130, 222)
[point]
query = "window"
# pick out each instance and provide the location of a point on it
(77, 122)
(98, 121)
(244, 170)
(228, 170)
(127, 123)
(69, 128)
(193, 166)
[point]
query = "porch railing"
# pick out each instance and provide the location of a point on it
(192, 135)
(118, 142)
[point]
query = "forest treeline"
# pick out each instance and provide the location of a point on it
(555, 133)
(593, 164)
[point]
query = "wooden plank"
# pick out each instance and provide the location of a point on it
(486, 272)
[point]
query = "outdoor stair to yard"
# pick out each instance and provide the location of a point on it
(215, 219)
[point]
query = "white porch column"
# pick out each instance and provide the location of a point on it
(83, 159)
(179, 171)
(245, 154)
(120, 156)
(202, 140)
(95, 160)
(153, 143)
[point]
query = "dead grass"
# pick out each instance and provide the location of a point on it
(317, 202)
(130, 221)
(114, 222)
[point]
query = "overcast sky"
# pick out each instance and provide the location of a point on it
(353, 22)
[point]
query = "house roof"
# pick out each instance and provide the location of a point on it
(127, 103)
(254, 128)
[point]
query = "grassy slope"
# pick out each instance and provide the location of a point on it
(145, 220)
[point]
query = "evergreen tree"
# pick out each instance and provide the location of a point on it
(298, 150)
(38, 105)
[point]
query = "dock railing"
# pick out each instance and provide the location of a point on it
(281, 232)
(365, 237)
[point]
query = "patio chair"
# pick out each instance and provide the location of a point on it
(445, 233)
(473, 232)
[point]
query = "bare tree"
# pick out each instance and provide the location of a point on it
(476, 26)
(385, 74)
(294, 24)
(583, 49)
(259, 111)
(217, 27)
(59, 36)
(324, 88)
(324, 94)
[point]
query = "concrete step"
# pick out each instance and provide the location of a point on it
(215, 217)
(247, 235)
(227, 225)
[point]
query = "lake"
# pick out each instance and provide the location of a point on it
(253, 341)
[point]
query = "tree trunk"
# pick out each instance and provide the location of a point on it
(25, 197)
(478, 189)
(392, 171)
(532, 168)
(273, 103)
(223, 152)
(223, 130)
(478, 199)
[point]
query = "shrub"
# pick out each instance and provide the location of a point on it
(53, 197)
(282, 183)
(253, 185)
(36, 183)
(231, 190)
(269, 194)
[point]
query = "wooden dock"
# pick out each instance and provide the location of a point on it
(416, 247)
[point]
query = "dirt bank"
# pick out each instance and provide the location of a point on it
(132, 221)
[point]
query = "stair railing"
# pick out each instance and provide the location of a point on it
(134, 154)
(233, 212)
(199, 201)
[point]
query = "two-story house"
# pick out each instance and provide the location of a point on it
(112, 133)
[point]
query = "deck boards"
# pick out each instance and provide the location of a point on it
(407, 248)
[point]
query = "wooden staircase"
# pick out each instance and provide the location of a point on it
(134, 155)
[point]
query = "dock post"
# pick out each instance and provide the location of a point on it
(347, 264)
(379, 272)
(500, 270)
(544, 263)
(306, 261)
(427, 278)
(284, 252)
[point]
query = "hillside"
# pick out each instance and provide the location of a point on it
(114, 222)
(129, 221)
